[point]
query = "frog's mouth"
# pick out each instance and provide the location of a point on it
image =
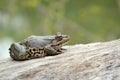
(66, 38)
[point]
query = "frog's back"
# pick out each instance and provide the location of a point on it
(38, 41)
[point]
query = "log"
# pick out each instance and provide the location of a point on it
(93, 61)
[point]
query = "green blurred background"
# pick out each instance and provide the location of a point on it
(85, 21)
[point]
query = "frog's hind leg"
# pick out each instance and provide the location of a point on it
(17, 52)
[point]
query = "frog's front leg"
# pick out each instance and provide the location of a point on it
(50, 51)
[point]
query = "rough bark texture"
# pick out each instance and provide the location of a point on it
(94, 61)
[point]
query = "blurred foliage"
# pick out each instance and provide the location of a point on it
(84, 20)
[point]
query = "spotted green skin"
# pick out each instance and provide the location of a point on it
(38, 46)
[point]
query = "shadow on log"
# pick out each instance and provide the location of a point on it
(94, 61)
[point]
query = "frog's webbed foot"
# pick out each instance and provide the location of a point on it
(52, 53)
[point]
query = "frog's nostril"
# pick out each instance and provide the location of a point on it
(58, 34)
(67, 36)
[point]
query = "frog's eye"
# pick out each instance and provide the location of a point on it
(59, 38)
(58, 34)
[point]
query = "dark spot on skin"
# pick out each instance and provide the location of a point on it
(30, 50)
(34, 49)
(37, 52)
(29, 55)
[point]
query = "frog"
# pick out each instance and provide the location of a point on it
(38, 46)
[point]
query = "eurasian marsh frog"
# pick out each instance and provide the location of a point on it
(38, 46)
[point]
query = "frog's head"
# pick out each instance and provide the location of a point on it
(60, 39)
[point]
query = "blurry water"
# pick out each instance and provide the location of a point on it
(4, 46)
